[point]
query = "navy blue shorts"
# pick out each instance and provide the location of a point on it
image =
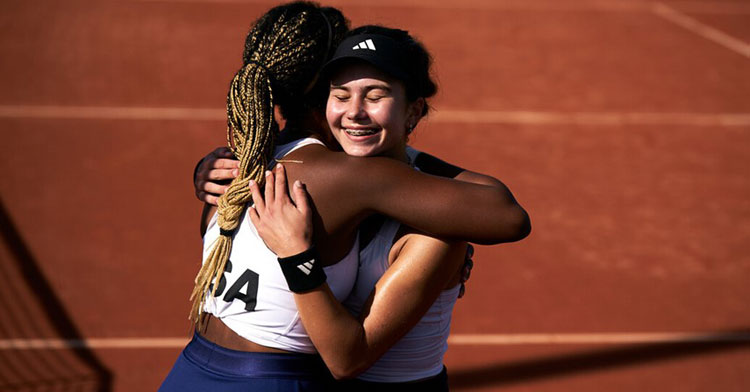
(205, 366)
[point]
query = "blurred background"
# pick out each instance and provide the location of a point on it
(623, 127)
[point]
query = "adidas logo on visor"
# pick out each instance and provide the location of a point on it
(366, 44)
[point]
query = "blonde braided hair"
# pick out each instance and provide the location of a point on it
(283, 52)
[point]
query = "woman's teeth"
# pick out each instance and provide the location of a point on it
(361, 132)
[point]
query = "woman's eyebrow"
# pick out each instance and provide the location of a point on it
(379, 87)
(369, 87)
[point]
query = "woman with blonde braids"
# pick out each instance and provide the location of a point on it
(283, 54)
(249, 330)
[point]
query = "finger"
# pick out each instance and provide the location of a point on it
(282, 192)
(257, 198)
(220, 174)
(207, 198)
(224, 152)
(300, 198)
(211, 199)
(223, 163)
(269, 187)
(254, 217)
(465, 275)
(212, 187)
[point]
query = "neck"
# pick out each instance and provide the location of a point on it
(398, 153)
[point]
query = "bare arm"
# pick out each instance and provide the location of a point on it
(218, 168)
(421, 267)
(420, 270)
(485, 214)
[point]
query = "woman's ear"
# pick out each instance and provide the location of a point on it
(278, 116)
(414, 113)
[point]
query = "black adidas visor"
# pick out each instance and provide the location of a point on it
(378, 50)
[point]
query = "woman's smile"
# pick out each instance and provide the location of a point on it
(359, 133)
(368, 112)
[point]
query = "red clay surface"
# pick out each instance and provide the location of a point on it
(637, 227)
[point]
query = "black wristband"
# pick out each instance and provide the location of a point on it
(303, 271)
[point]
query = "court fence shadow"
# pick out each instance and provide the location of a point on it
(508, 373)
(56, 369)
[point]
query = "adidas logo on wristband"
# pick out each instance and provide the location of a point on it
(307, 267)
(301, 271)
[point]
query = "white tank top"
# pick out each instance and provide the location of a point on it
(253, 298)
(419, 354)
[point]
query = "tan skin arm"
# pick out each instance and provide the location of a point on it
(421, 269)
(421, 266)
(217, 168)
(347, 189)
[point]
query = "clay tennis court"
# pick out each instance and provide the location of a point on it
(623, 127)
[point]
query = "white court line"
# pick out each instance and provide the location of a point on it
(454, 339)
(56, 344)
(439, 116)
(598, 338)
(590, 118)
(699, 7)
(701, 29)
(523, 5)
(713, 7)
(111, 112)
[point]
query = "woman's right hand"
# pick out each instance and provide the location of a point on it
(213, 174)
(284, 225)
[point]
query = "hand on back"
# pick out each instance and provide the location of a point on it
(283, 224)
(213, 175)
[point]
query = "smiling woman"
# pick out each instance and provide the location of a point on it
(378, 91)
(367, 111)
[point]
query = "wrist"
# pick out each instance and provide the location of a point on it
(292, 248)
(303, 272)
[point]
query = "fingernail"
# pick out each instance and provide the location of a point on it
(279, 166)
(251, 183)
(298, 184)
(268, 173)
(235, 172)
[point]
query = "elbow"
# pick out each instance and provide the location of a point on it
(345, 371)
(514, 225)
(523, 225)
(347, 366)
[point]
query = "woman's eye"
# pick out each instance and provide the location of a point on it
(374, 98)
(340, 97)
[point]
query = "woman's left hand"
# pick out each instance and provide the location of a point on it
(285, 226)
(466, 269)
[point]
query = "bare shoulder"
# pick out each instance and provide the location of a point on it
(410, 243)
(426, 260)
(315, 163)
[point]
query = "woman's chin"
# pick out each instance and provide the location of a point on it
(360, 151)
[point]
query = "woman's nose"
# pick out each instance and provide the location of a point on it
(355, 109)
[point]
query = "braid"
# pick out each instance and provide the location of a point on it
(283, 53)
